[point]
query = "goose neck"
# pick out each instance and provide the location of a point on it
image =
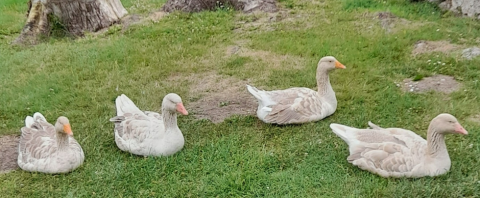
(62, 140)
(435, 143)
(323, 83)
(169, 119)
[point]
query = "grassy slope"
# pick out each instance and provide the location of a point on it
(241, 156)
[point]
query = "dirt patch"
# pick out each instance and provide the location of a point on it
(387, 21)
(438, 83)
(286, 19)
(134, 19)
(156, 16)
(8, 153)
(257, 21)
(475, 119)
(201, 5)
(446, 47)
(273, 60)
(129, 20)
(216, 97)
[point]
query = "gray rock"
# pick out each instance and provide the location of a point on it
(471, 53)
(470, 8)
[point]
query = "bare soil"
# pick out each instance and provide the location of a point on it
(8, 153)
(156, 16)
(438, 83)
(216, 97)
(446, 47)
(274, 60)
(201, 5)
(134, 19)
(131, 19)
(475, 119)
(387, 21)
(261, 21)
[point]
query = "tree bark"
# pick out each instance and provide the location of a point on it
(77, 16)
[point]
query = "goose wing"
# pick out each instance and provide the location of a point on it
(294, 105)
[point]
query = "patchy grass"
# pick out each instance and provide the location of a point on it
(241, 156)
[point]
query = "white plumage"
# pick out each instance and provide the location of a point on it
(396, 152)
(149, 133)
(299, 105)
(47, 148)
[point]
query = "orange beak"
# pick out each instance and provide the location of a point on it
(460, 129)
(67, 129)
(181, 109)
(339, 65)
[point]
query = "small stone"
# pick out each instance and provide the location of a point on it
(471, 53)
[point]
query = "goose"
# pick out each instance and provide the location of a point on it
(47, 148)
(148, 133)
(396, 152)
(299, 104)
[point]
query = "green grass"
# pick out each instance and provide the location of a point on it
(242, 156)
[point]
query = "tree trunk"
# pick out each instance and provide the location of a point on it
(77, 16)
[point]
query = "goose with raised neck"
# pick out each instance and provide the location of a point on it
(299, 104)
(396, 152)
(148, 133)
(47, 148)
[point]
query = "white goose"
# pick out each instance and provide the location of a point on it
(148, 133)
(47, 148)
(299, 105)
(395, 152)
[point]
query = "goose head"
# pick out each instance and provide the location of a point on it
(172, 102)
(63, 126)
(329, 63)
(446, 123)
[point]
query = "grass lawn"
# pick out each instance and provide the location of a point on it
(242, 156)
